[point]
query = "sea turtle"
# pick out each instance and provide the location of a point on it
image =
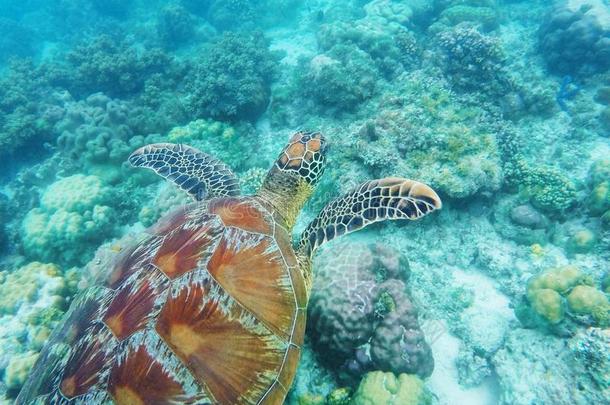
(209, 306)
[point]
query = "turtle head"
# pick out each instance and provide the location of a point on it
(294, 174)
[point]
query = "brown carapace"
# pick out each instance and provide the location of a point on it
(209, 306)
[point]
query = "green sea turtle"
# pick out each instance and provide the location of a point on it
(209, 306)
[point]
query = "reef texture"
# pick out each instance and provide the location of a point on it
(360, 315)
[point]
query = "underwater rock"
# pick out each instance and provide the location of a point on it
(574, 38)
(515, 219)
(366, 302)
(472, 369)
(526, 215)
(602, 95)
(379, 388)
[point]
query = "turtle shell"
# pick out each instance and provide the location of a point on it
(209, 307)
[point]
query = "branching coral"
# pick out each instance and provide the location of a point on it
(26, 108)
(472, 61)
(115, 67)
(342, 78)
(232, 79)
(175, 26)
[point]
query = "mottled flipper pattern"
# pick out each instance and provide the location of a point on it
(376, 200)
(195, 172)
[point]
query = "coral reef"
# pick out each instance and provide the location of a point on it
(342, 78)
(34, 298)
(26, 108)
(424, 133)
(599, 181)
(360, 316)
(472, 61)
(4, 219)
(590, 348)
(482, 14)
(503, 107)
(232, 79)
(115, 67)
(99, 133)
(379, 388)
(557, 373)
(574, 37)
(230, 144)
(562, 292)
(175, 26)
(73, 219)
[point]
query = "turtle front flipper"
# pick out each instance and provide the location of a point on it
(376, 200)
(193, 171)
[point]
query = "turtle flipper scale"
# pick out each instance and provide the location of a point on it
(195, 172)
(376, 200)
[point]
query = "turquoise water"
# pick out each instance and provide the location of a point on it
(501, 107)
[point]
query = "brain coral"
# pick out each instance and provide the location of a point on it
(360, 315)
(379, 388)
(73, 218)
(561, 293)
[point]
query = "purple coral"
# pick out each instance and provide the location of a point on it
(360, 315)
